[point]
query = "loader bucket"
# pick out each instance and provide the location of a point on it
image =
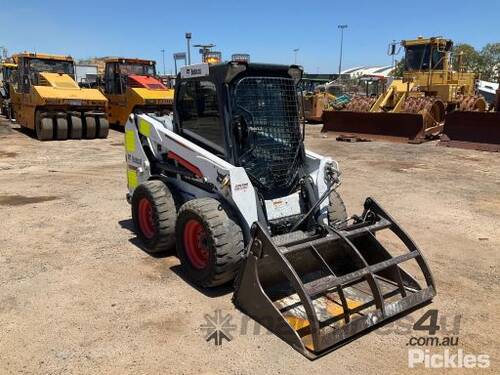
(320, 291)
(409, 126)
(472, 130)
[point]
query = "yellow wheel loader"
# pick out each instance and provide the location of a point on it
(46, 98)
(314, 98)
(131, 86)
(5, 103)
(318, 96)
(415, 106)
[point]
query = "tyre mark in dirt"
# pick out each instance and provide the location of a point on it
(21, 200)
(5, 154)
(173, 323)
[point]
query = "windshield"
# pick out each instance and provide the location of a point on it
(7, 72)
(417, 57)
(335, 90)
(266, 121)
(310, 85)
(138, 69)
(51, 66)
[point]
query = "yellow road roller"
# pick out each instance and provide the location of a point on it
(132, 86)
(46, 98)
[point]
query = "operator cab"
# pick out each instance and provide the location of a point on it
(426, 54)
(121, 74)
(30, 65)
(8, 70)
(247, 114)
(311, 85)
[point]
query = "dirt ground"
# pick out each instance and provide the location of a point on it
(78, 295)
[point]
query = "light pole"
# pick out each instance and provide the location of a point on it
(295, 55)
(341, 27)
(163, 58)
(188, 42)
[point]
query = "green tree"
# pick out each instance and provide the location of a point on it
(398, 69)
(470, 59)
(490, 62)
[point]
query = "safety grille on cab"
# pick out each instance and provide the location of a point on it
(270, 141)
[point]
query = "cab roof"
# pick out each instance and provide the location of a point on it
(227, 71)
(45, 56)
(129, 60)
(422, 41)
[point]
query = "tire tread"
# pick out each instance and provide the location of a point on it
(164, 215)
(225, 235)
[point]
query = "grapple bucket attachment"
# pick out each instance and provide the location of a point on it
(472, 130)
(409, 126)
(319, 291)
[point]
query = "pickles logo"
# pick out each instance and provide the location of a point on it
(218, 327)
(440, 347)
(447, 359)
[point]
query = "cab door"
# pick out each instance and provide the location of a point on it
(115, 92)
(22, 97)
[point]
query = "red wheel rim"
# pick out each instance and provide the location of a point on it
(146, 218)
(195, 243)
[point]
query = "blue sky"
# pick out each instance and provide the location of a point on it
(267, 30)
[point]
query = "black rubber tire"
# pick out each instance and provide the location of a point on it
(44, 127)
(336, 208)
(76, 128)
(90, 128)
(224, 241)
(61, 128)
(163, 216)
(103, 128)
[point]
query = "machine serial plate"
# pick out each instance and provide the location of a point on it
(283, 207)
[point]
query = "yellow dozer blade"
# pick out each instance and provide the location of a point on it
(416, 119)
(472, 130)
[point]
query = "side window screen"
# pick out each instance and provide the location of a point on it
(109, 78)
(199, 115)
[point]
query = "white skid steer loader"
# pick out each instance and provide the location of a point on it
(228, 183)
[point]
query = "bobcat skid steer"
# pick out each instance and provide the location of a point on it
(228, 183)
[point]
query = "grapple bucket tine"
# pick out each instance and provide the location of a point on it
(370, 278)
(326, 289)
(250, 296)
(339, 290)
(373, 206)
